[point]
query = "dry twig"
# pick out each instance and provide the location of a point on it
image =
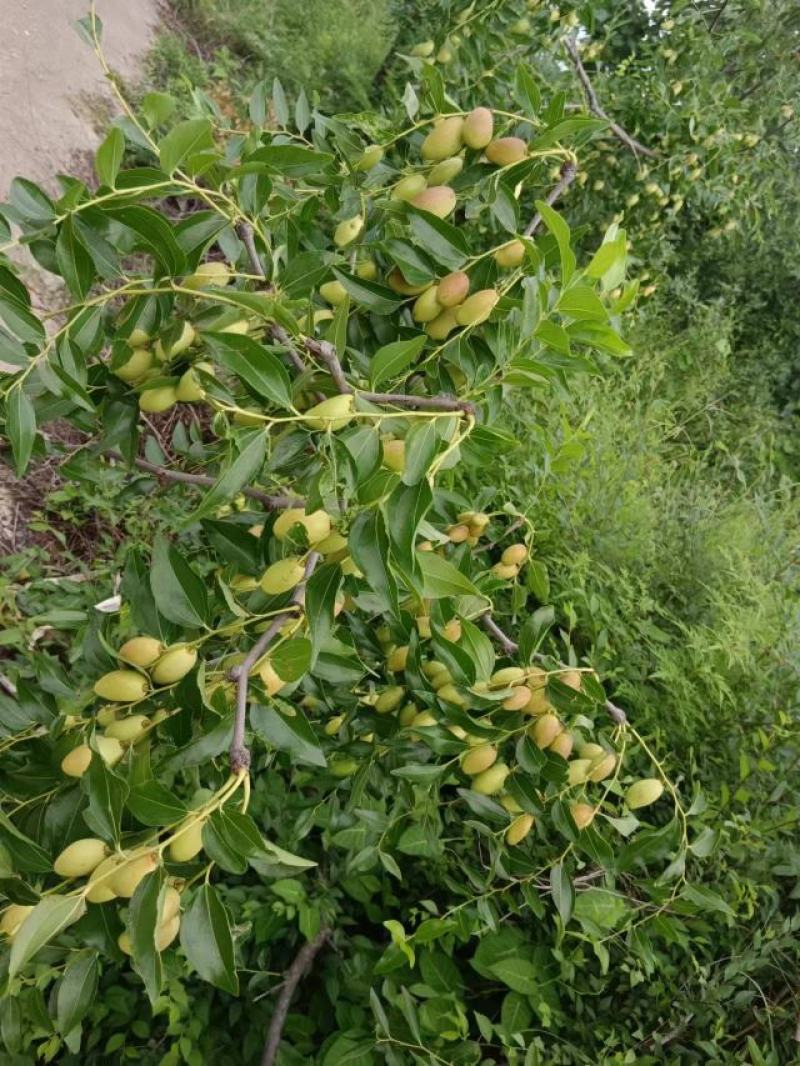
(294, 975)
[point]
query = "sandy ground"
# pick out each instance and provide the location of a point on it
(49, 77)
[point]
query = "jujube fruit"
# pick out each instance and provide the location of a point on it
(507, 675)
(76, 762)
(602, 766)
(491, 781)
(478, 128)
(390, 699)
(450, 693)
(397, 283)
(13, 917)
(477, 308)
(582, 814)
(125, 880)
(129, 730)
(426, 307)
(122, 686)
(394, 455)
(80, 857)
(100, 889)
(453, 289)
(166, 932)
(478, 759)
(505, 572)
(444, 172)
(207, 275)
(332, 414)
(156, 401)
(444, 140)
(545, 730)
(505, 151)
(141, 651)
(407, 188)
(397, 659)
(562, 745)
(443, 325)
(518, 699)
(643, 793)
(176, 662)
(510, 255)
(367, 269)
(187, 337)
(188, 843)
(282, 576)
(140, 361)
(438, 200)
(347, 231)
(423, 49)
(333, 292)
(519, 829)
(578, 771)
(270, 679)
(189, 389)
(370, 157)
(317, 524)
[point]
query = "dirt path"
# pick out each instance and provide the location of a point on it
(48, 77)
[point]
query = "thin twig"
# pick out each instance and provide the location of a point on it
(327, 353)
(594, 104)
(568, 174)
(429, 403)
(272, 503)
(239, 752)
(294, 975)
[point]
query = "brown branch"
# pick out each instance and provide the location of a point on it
(510, 647)
(295, 973)
(594, 104)
(272, 503)
(568, 174)
(424, 403)
(327, 353)
(239, 752)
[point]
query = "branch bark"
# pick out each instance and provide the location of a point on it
(295, 973)
(595, 107)
(568, 174)
(272, 503)
(424, 403)
(327, 353)
(239, 752)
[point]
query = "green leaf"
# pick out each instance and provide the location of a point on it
(320, 597)
(526, 90)
(600, 907)
(206, 939)
(292, 160)
(562, 890)
(143, 920)
(179, 594)
(43, 924)
(219, 848)
(607, 257)
(26, 854)
(392, 359)
(480, 649)
(156, 107)
(184, 142)
(255, 365)
(707, 900)
(107, 794)
(152, 804)
(369, 547)
(292, 659)
(108, 157)
(518, 974)
(560, 230)
(153, 231)
(438, 238)
(20, 427)
(287, 733)
(516, 1014)
(369, 294)
(405, 509)
(582, 303)
(422, 444)
(242, 471)
(74, 262)
(442, 579)
(76, 992)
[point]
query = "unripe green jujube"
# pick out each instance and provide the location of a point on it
(100, 889)
(491, 781)
(423, 49)
(370, 157)
(394, 455)
(129, 730)
(439, 200)
(397, 283)
(545, 730)
(444, 140)
(333, 292)
(578, 771)
(444, 172)
(317, 524)
(189, 389)
(510, 255)
(122, 686)
(13, 917)
(207, 275)
(347, 231)
(390, 699)
(643, 793)
(175, 663)
(477, 308)
(166, 932)
(76, 762)
(141, 651)
(426, 307)
(80, 858)
(188, 844)
(562, 744)
(478, 759)
(519, 829)
(583, 814)
(453, 289)
(282, 576)
(140, 361)
(602, 766)
(514, 555)
(126, 879)
(504, 151)
(508, 675)
(156, 401)
(409, 187)
(184, 341)
(109, 749)
(478, 128)
(332, 414)
(343, 767)
(171, 906)
(443, 325)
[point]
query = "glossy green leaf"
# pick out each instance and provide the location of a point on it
(47, 919)
(179, 593)
(206, 939)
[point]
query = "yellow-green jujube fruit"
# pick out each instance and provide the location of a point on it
(188, 844)
(317, 524)
(166, 932)
(578, 771)
(519, 829)
(510, 804)
(171, 905)
(209, 275)
(478, 759)
(590, 751)
(13, 917)
(451, 694)
(156, 401)
(562, 745)
(126, 878)
(397, 659)
(333, 725)
(189, 389)
(397, 283)
(270, 679)
(571, 678)
(409, 187)
(333, 292)
(521, 26)
(439, 200)
(504, 571)
(643, 793)
(452, 630)
(510, 255)
(332, 414)
(504, 151)
(370, 157)
(109, 749)
(141, 651)
(282, 576)
(174, 664)
(443, 325)
(129, 730)
(140, 361)
(453, 289)
(491, 781)
(444, 172)
(347, 231)
(80, 857)
(186, 340)
(138, 338)
(394, 455)
(514, 555)
(390, 699)
(478, 128)
(367, 269)
(545, 730)
(343, 767)
(444, 140)
(518, 699)
(426, 307)
(333, 544)
(124, 943)
(583, 814)
(122, 686)
(477, 308)
(440, 679)
(100, 889)
(508, 675)
(602, 766)
(76, 762)
(240, 326)
(407, 713)
(423, 49)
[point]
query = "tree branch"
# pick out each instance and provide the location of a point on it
(239, 752)
(510, 647)
(294, 975)
(568, 174)
(327, 353)
(272, 503)
(594, 104)
(424, 403)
